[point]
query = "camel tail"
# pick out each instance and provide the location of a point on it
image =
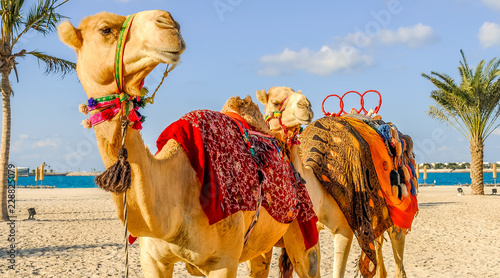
(286, 267)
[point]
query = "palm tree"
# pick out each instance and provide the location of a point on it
(15, 23)
(472, 107)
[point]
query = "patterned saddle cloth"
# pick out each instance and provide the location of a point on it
(228, 171)
(352, 161)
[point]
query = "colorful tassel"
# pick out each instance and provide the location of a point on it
(412, 168)
(401, 174)
(399, 150)
(394, 176)
(395, 183)
(133, 117)
(404, 189)
(407, 173)
(413, 190)
(385, 131)
(86, 124)
(118, 177)
(107, 114)
(137, 125)
(83, 109)
(92, 102)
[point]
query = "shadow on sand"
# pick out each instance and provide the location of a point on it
(64, 248)
(434, 204)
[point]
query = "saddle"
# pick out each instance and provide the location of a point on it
(228, 157)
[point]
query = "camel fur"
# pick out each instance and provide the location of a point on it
(329, 214)
(163, 201)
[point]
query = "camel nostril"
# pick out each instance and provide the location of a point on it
(165, 22)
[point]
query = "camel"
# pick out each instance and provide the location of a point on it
(163, 201)
(330, 216)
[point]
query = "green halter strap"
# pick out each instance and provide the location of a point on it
(120, 48)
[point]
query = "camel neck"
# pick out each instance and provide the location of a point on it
(295, 157)
(143, 217)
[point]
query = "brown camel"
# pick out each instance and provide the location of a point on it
(329, 214)
(163, 203)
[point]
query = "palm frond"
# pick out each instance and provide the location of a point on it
(470, 106)
(53, 64)
(11, 18)
(446, 117)
(41, 18)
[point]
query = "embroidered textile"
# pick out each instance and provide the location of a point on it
(342, 161)
(228, 173)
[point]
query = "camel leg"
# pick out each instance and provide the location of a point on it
(153, 268)
(191, 269)
(229, 272)
(305, 262)
(381, 271)
(398, 247)
(342, 240)
(259, 266)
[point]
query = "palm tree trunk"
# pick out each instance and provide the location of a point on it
(5, 147)
(476, 166)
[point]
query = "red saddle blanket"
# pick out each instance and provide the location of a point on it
(228, 174)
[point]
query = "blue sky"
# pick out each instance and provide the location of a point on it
(235, 47)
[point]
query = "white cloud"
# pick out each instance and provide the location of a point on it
(48, 142)
(323, 62)
(413, 37)
(496, 131)
(494, 4)
(346, 54)
(443, 148)
(489, 34)
(17, 144)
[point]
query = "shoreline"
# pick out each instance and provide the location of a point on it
(452, 170)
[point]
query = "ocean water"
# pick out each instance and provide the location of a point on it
(454, 178)
(60, 181)
(88, 181)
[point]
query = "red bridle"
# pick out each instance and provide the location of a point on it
(290, 140)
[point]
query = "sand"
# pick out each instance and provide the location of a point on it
(76, 234)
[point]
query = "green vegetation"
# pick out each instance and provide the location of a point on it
(16, 22)
(472, 107)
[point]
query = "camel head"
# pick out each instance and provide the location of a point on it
(154, 38)
(293, 108)
(248, 110)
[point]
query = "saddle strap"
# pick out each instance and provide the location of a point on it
(256, 216)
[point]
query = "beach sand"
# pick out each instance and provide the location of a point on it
(77, 234)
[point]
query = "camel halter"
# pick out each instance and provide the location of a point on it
(121, 102)
(289, 140)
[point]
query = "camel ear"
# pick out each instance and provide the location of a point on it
(262, 96)
(299, 92)
(248, 99)
(69, 35)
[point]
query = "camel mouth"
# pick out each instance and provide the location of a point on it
(304, 119)
(304, 122)
(167, 57)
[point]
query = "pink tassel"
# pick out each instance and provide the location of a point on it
(83, 109)
(86, 124)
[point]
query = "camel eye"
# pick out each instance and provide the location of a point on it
(276, 103)
(106, 31)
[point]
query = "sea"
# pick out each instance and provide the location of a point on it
(60, 181)
(88, 181)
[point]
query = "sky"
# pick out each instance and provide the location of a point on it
(235, 47)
